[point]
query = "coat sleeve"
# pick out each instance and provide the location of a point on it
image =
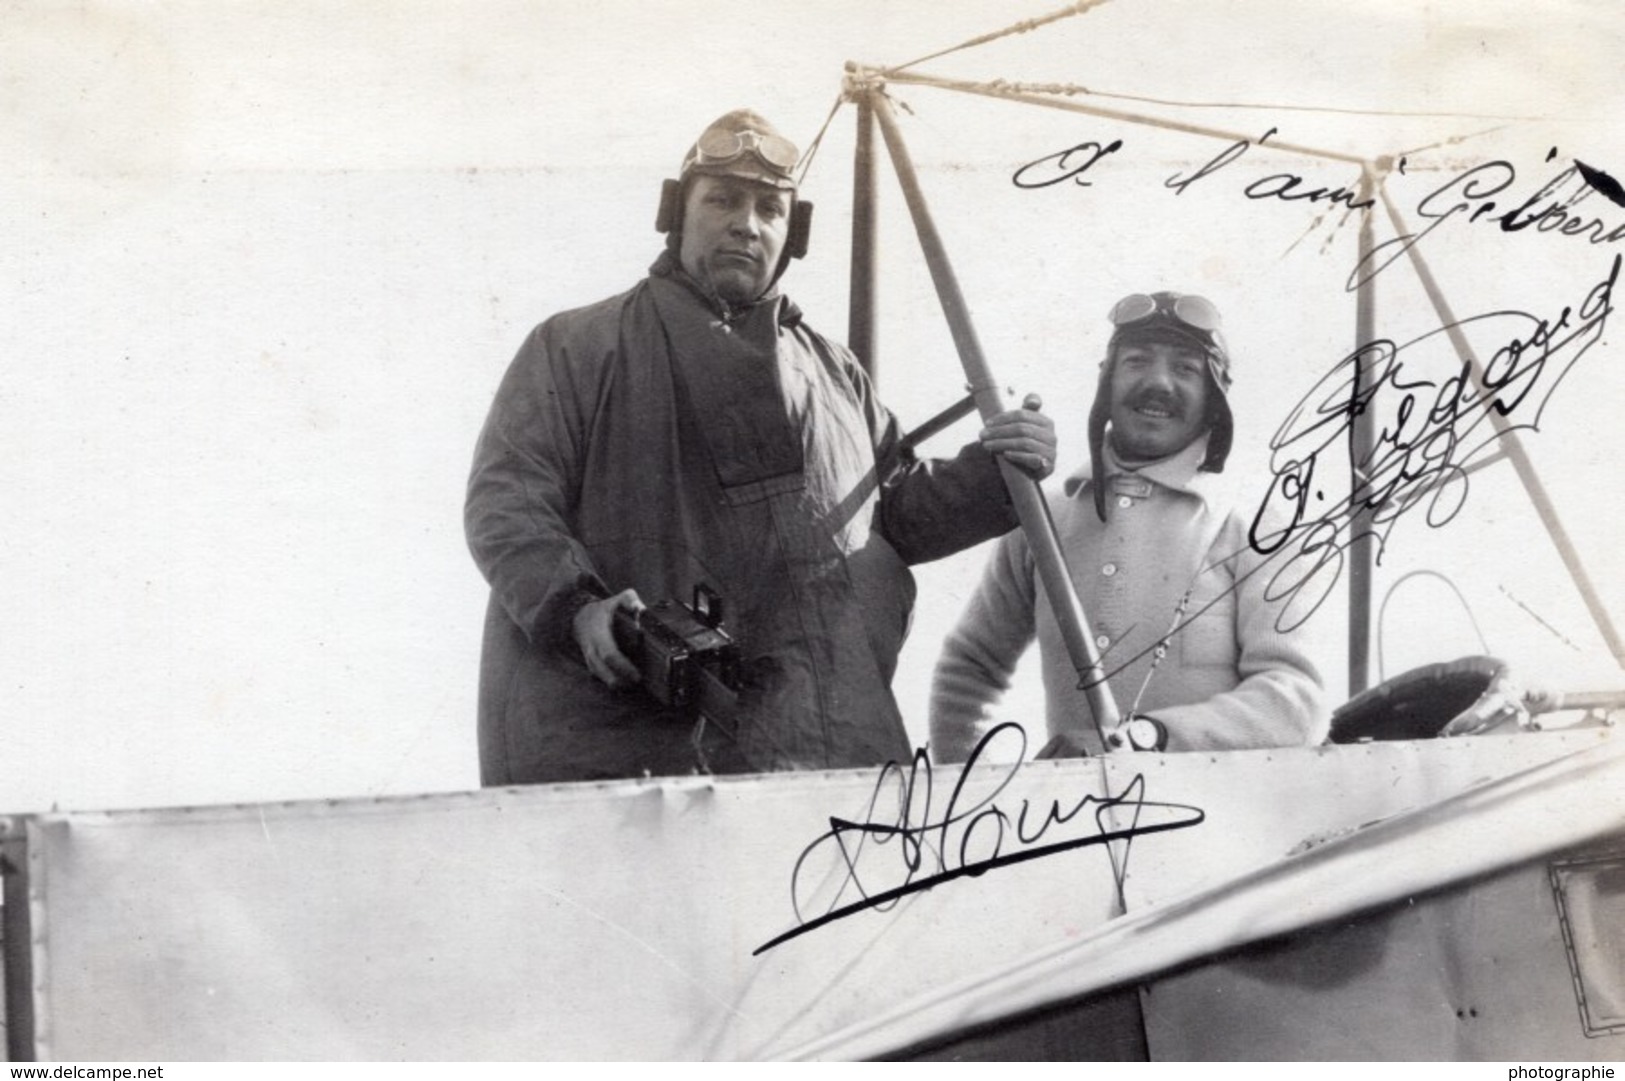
(1281, 698)
(934, 507)
(980, 653)
(524, 486)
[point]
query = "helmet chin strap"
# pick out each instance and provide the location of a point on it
(778, 271)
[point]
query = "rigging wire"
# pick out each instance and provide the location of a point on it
(1536, 617)
(1075, 90)
(1002, 90)
(1018, 28)
(1454, 140)
(1382, 667)
(1072, 89)
(1387, 165)
(812, 149)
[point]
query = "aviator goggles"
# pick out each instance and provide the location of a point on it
(720, 148)
(1195, 312)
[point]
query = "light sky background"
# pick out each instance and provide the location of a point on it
(264, 264)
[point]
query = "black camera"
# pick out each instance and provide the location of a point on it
(672, 643)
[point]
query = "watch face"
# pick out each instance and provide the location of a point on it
(1143, 734)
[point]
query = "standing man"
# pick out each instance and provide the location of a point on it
(694, 431)
(1195, 652)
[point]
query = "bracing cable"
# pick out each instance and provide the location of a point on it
(1017, 28)
(812, 148)
(1382, 667)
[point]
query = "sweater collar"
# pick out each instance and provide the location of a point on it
(1180, 472)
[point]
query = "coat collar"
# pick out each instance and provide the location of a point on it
(668, 266)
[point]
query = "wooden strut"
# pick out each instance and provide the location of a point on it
(1512, 446)
(1025, 494)
(1363, 549)
(862, 300)
(17, 939)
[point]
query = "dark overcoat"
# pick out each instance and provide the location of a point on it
(652, 441)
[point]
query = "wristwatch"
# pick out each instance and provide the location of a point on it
(1140, 734)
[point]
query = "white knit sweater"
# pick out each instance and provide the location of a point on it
(1230, 678)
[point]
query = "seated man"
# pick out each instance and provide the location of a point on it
(1193, 648)
(695, 431)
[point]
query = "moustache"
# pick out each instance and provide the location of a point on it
(1158, 399)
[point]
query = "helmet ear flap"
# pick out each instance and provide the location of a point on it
(669, 215)
(1099, 413)
(1221, 424)
(795, 243)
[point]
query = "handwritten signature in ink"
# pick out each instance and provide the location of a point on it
(899, 848)
(1429, 432)
(1554, 207)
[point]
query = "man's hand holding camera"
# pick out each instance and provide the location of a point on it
(594, 630)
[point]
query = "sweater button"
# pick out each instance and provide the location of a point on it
(1124, 501)
(1109, 569)
(1101, 641)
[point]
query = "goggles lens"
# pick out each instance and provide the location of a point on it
(1194, 311)
(723, 147)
